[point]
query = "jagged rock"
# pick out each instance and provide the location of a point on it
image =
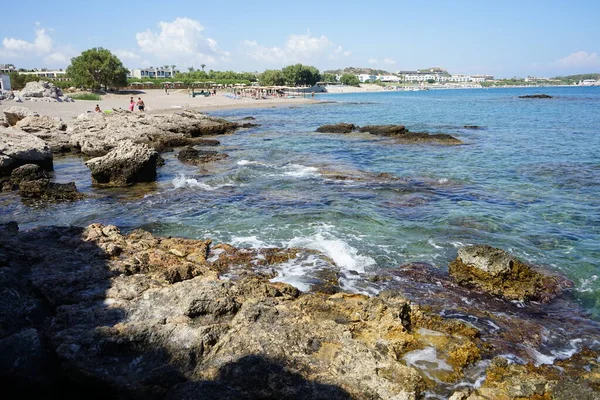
(14, 114)
(535, 96)
(95, 134)
(19, 148)
(384, 130)
(51, 191)
(126, 164)
(190, 155)
(51, 130)
(337, 128)
(41, 89)
(497, 272)
(27, 172)
(3, 121)
(170, 142)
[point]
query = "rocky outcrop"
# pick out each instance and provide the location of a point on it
(337, 128)
(138, 316)
(189, 155)
(18, 148)
(45, 190)
(398, 132)
(52, 130)
(26, 173)
(41, 89)
(95, 134)
(126, 164)
(497, 272)
(14, 114)
(535, 96)
(171, 142)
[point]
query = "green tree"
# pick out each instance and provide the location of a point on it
(329, 78)
(430, 80)
(97, 67)
(350, 80)
(203, 65)
(299, 74)
(271, 77)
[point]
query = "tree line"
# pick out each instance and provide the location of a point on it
(98, 68)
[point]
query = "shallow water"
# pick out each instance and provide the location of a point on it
(527, 182)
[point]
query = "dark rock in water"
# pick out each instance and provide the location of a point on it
(126, 164)
(249, 125)
(27, 172)
(170, 142)
(190, 155)
(472, 127)
(45, 190)
(422, 137)
(337, 128)
(384, 130)
(535, 96)
(248, 119)
(497, 272)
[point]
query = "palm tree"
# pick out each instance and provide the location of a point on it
(191, 69)
(203, 65)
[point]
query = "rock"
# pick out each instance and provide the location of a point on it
(497, 272)
(95, 134)
(249, 118)
(27, 172)
(535, 96)
(14, 114)
(45, 190)
(190, 155)
(126, 164)
(384, 130)
(170, 142)
(3, 121)
(337, 128)
(41, 89)
(51, 130)
(472, 127)
(19, 148)
(422, 137)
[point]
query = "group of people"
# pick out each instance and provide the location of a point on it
(140, 104)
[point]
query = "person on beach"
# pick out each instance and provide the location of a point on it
(97, 109)
(140, 104)
(131, 104)
(166, 88)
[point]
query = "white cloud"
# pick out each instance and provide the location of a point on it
(372, 61)
(180, 41)
(42, 46)
(578, 60)
(389, 61)
(298, 48)
(131, 59)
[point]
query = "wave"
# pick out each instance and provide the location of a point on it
(293, 170)
(182, 181)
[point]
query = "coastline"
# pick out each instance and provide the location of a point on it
(156, 101)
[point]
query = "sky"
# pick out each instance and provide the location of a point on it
(501, 38)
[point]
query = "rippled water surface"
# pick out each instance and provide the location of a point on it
(527, 182)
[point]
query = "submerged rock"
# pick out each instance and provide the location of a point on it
(168, 143)
(190, 155)
(126, 164)
(384, 130)
(337, 128)
(497, 272)
(535, 96)
(27, 172)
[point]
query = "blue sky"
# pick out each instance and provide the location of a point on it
(503, 38)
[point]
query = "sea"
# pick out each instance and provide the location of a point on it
(527, 180)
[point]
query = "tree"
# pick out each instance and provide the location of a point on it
(203, 65)
(329, 78)
(191, 69)
(430, 80)
(271, 77)
(96, 68)
(350, 80)
(299, 74)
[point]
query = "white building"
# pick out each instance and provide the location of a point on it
(4, 82)
(388, 78)
(153, 72)
(363, 78)
(58, 74)
(7, 68)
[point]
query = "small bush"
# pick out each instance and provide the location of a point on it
(86, 96)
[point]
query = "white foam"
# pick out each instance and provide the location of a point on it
(293, 273)
(344, 255)
(443, 180)
(586, 284)
(248, 162)
(432, 243)
(181, 181)
(426, 360)
(300, 171)
(248, 241)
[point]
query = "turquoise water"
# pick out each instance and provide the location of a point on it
(527, 182)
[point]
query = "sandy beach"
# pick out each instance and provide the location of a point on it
(155, 100)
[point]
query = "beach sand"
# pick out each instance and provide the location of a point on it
(156, 100)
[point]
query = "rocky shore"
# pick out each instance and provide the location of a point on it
(138, 316)
(397, 132)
